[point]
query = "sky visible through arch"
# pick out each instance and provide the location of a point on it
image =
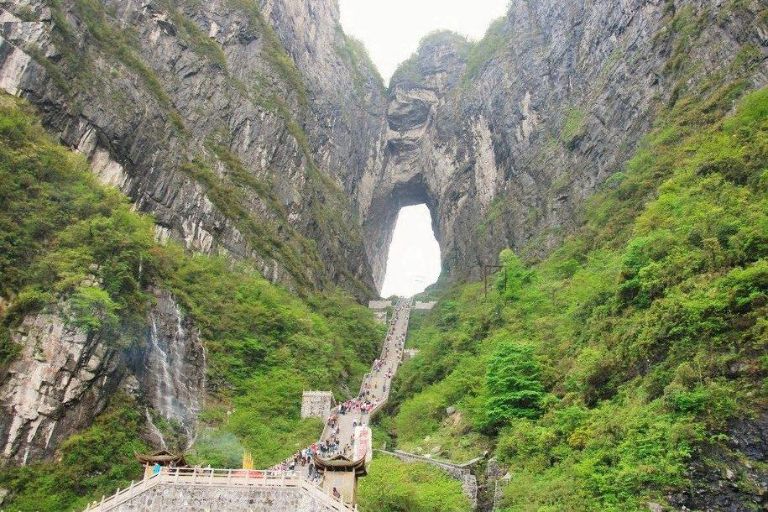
(391, 31)
(414, 255)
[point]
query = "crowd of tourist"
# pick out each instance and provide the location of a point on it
(372, 392)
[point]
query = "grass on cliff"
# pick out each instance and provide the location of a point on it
(623, 355)
(60, 233)
(481, 53)
(66, 240)
(264, 347)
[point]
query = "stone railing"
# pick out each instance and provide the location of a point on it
(221, 478)
(380, 404)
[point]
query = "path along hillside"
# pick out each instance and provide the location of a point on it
(295, 484)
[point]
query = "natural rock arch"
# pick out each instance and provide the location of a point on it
(413, 166)
(382, 216)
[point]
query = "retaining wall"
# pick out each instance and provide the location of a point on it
(461, 472)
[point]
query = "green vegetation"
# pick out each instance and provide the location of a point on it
(482, 52)
(356, 56)
(90, 464)
(69, 244)
(394, 486)
(206, 47)
(75, 69)
(573, 127)
(599, 372)
(264, 346)
(513, 386)
(61, 233)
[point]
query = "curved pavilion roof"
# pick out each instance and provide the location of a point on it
(163, 457)
(341, 463)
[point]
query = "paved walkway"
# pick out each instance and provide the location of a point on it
(373, 394)
(376, 385)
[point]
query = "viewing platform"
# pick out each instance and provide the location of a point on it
(332, 487)
(231, 490)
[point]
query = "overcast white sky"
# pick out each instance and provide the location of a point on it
(391, 31)
(414, 256)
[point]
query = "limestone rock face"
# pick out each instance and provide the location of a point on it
(64, 377)
(59, 383)
(506, 139)
(170, 367)
(241, 127)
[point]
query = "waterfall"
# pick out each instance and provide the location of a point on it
(174, 369)
(154, 430)
(163, 382)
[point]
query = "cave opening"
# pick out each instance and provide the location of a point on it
(413, 259)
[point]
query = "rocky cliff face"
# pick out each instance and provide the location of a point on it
(505, 139)
(198, 113)
(170, 370)
(64, 376)
(58, 384)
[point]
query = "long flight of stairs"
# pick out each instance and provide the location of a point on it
(243, 490)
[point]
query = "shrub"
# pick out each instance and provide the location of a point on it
(513, 384)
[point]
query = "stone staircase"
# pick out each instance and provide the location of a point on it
(243, 490)
(401, 318)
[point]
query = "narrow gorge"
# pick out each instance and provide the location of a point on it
(197, 200)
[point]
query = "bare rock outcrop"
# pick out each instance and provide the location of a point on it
(64, 376)
(59, 383)
(506, 138)
(170, 368)
(243, 127)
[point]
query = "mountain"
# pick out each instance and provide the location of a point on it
(625, 370)
(197, 195)
(199, 113)
(504, 139)
(232, 262)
